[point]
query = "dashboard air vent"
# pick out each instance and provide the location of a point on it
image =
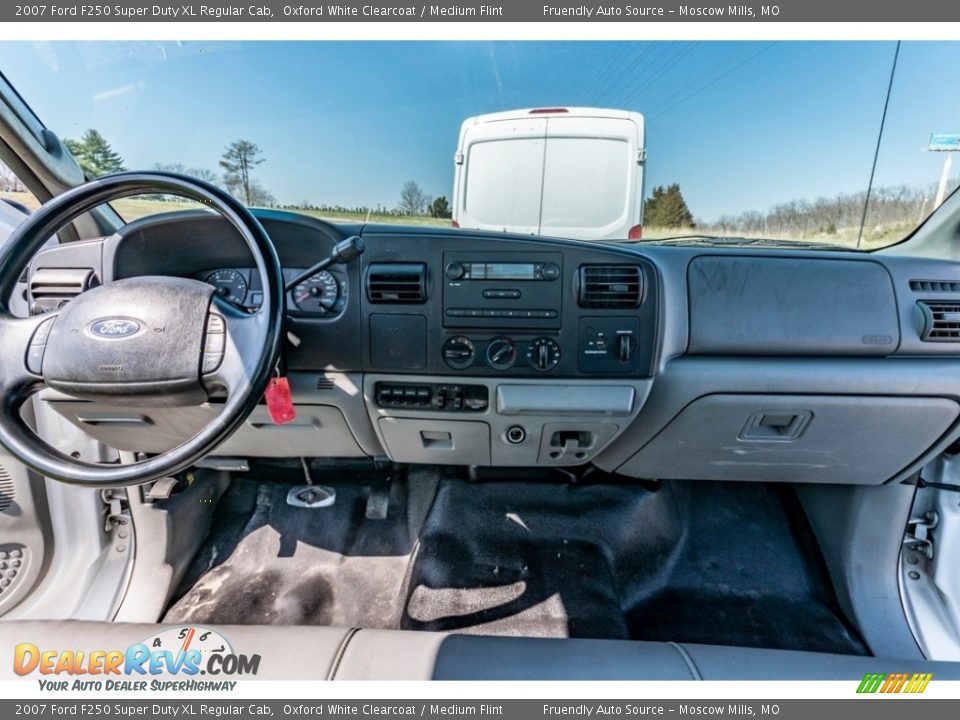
(397, 283)
(943, 286)
(941, 321)
(52, 287)
(610, 286)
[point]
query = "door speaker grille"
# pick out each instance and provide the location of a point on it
(6, 489)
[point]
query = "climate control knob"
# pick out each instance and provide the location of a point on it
(458, 352)
(501, 353)
(543, 354)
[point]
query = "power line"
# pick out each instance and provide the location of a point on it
(876, 152)
(623, 59)
(727, 61)
(657, 74)
(641, 66)
(714, 81)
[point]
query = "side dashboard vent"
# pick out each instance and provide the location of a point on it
(52, 287)
(610, 286)
(397, 283)
(944, 286)
(941, 321)
(6, 489)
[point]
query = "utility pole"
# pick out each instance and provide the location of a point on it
(944, 177)
(947, 143)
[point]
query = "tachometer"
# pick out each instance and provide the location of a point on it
(318, 293)
(230, 285)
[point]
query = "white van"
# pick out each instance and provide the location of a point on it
(563, 172)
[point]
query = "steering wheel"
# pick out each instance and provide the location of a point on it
(142, 341)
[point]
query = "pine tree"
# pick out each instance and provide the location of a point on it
(666, 208)
(94, 154)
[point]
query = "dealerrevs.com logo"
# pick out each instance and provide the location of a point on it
(170, 660)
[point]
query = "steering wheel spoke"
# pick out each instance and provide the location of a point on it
(232, 342)
(21, 362)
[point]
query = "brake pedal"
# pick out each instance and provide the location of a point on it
(378, 503)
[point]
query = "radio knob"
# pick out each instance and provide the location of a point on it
(501, 353)
(543, 354)
(551, 271)
(458, 352)
(455, 271)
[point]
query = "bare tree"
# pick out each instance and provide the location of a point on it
(200, 173)
(413, 200)
(259, 195)
(238, 161)
(8, 181)
(890, 207)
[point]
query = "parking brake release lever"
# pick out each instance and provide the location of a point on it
(343, 252)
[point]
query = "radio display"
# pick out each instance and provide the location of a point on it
(507, 271)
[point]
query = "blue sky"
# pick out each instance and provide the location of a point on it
(740, 125)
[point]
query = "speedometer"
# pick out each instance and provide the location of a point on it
(318, 293)
(230, 285)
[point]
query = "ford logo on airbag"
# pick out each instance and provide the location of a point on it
(115, 327)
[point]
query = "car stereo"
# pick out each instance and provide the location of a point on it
(522, 290)
(455, 270)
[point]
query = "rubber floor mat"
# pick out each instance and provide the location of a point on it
(715, 563)
(265, 562)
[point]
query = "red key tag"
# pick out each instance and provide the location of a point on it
(280, 401)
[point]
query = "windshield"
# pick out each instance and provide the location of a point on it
(815, 143)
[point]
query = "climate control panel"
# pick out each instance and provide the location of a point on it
(541, 353)
(604, 346)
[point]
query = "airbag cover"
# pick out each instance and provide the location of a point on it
(139, 338)
(791, 306)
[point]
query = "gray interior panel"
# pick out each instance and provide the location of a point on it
(564, 399)
(587, 425)
(685, 380)
(331, 421)
(794, 438)
(317, 429)
(774, 306)
(853, 526)
(448, 442)
(24, 531)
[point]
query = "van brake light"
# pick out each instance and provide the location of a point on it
(548, 111)
(454, 223)
(636, 233)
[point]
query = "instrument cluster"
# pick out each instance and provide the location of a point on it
(320, 295)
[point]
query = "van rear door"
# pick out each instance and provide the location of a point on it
(592, 177)
(500, 175)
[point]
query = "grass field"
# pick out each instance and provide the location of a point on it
(134, 208)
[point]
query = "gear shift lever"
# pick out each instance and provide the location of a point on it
(343, 252)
